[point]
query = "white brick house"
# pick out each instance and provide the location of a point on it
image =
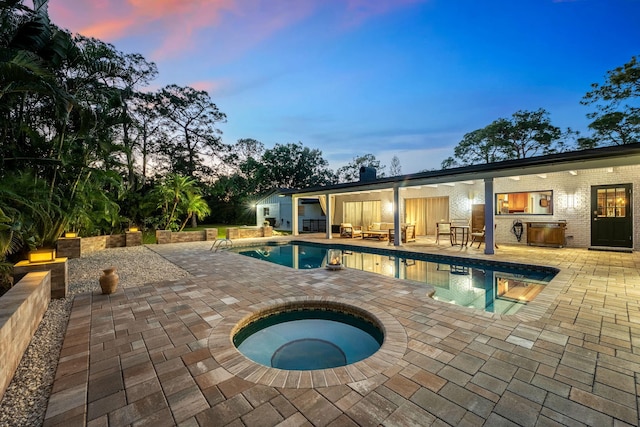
(590, 190)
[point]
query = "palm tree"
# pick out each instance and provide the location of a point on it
(195, 207)
(172, 192)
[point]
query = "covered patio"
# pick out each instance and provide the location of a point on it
(588, 193)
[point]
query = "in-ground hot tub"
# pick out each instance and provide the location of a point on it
(308, 335)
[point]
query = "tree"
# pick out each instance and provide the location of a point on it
(133, 71)
(525, 134)
(150, 130)
(616, 120)
(171, 194)
(195, 208)
(351, 171)
(292, 166)
(192, 117)
(477, 147)
(395, 169)
(242, 154)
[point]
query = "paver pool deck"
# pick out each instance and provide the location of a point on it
(160, 354)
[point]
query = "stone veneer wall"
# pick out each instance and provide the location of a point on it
(59, 274)
(248, 232)
(99, 243)
(21, 310)
(69, 247)
(166, 236)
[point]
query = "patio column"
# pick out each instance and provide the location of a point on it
(294, 216)
(328, 215)
(489, 209)
(397, 235)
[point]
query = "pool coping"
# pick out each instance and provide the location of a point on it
(223, 350)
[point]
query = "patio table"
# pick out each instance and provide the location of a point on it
(464, 235)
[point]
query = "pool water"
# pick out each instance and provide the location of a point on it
(308, 339)
(492, 287)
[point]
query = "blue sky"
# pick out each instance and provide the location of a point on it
(387, 77)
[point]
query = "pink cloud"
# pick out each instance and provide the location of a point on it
(210, 86)
(176, 26)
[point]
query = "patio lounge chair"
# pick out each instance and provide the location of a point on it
(348, 230)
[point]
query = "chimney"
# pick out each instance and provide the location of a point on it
(367, 174)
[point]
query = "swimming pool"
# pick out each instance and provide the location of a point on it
(303, 337)
(489, 286)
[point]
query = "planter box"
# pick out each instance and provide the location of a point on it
(133, 238)
(59, 274)
(69, 247)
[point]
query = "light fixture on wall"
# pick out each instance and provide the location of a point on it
(571, 201)
(388, 207)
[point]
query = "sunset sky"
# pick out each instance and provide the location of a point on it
(387, 77)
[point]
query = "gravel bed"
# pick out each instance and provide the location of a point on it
(25, 401)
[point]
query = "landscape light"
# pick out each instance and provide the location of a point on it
(42, 255)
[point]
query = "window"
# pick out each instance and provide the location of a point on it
(527, 203)
(265, 211)
(612, 202)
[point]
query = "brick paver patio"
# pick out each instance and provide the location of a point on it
(151, 355)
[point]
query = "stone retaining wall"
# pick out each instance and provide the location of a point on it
(166, 236)
(59, 274)
(21, 310)
(79, 246)
(249, 232)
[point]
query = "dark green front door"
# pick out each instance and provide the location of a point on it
(611, 216)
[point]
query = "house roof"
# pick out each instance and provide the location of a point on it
(619, 155)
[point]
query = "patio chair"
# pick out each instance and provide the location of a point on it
(443, 229)
(478, 236)
(348, 230)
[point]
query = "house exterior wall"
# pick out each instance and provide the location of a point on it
(566, 187)
(571, 200)
(279, 208)
(311, 211)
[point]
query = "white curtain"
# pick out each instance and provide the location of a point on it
(370, 212)
(323, 206)
(425, 213)
(361, 213)
(352, 212)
